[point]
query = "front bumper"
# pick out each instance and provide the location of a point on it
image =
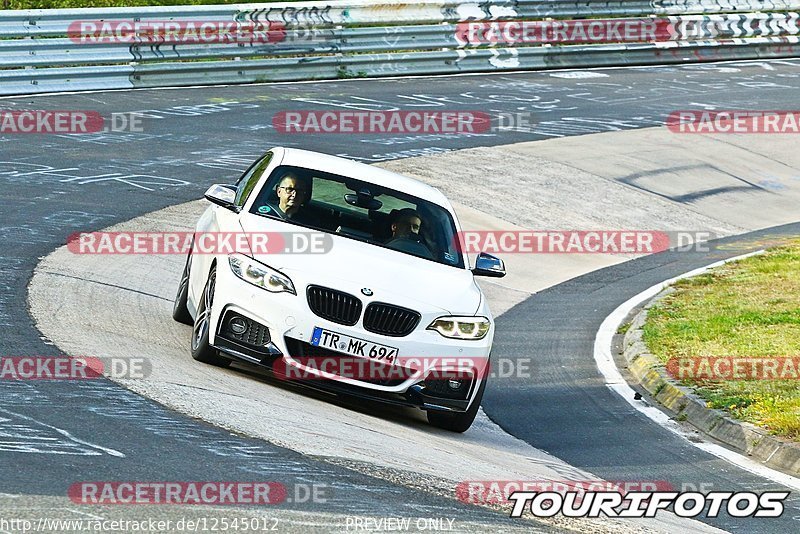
(415, 395)
(290, 323)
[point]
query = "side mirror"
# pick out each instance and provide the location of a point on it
(222, 195)
(488, 265)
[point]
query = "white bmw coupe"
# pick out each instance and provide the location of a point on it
(386, 307)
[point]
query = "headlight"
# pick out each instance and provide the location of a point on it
(260, 275)
(461, 327)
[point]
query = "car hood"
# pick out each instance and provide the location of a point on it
(351, 265)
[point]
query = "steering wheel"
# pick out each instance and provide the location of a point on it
(411, 246)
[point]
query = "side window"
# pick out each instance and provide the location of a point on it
(249, 180)
(330, 192)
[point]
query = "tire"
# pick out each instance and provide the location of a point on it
(458, 421)
(201, 350)
(180, 311)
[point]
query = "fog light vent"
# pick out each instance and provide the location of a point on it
(244, 330)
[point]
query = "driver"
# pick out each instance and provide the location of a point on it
(293, 193)
(405, 234)
(406, 224)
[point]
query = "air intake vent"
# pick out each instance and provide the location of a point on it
(390, 320)
(336, 306)
(243, 330)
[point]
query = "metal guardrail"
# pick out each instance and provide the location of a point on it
(40, 50)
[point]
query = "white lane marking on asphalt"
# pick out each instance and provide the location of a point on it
(766, 66)
(614, 380)
(704, 106)
(579, 74)
(66, 434)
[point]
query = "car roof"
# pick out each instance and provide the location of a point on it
(367, 173)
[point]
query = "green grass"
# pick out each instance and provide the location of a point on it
(747, 308)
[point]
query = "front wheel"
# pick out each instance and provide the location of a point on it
(202, 351)
(458, 421)
(180, 311)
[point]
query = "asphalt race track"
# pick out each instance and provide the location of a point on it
(59, 184)
(585, 423)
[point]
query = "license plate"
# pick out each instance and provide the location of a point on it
(353, 346)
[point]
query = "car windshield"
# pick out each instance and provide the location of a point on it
(360, 210)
